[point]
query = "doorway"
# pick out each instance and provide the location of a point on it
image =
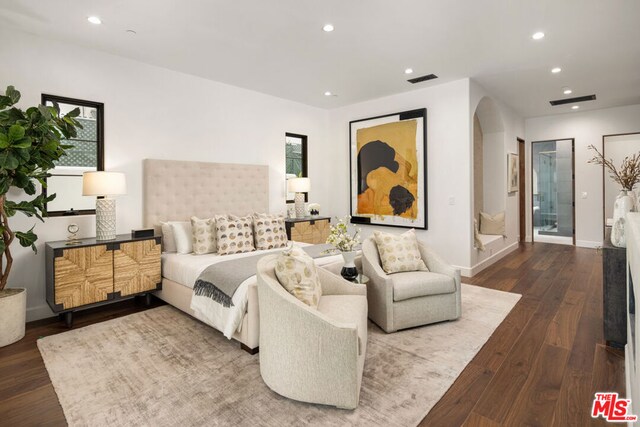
(521, 190)
(553, 191)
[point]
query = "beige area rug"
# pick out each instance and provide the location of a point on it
(160, 367)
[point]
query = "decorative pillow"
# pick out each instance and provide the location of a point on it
(168, 241)
(269, 231)
(297, 273)
(399, 252)
(234, 235)
(204, 235)
(183, 237)
(492, 224)
(477, 242)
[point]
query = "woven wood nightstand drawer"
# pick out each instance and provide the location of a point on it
(313, 231)
(136, 267)
(83, 276)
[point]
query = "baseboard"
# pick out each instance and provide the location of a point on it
(588, 244)
(471, 271)
(39, 312)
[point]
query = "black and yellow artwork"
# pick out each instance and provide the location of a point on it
(388, 170)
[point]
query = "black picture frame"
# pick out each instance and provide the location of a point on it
(421, 222)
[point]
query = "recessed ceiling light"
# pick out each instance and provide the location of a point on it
(327, 93)
(575, 107)
(94, 20)
(537, 36)
(327, 28)
(408, 71)
(567, 91)
(556, 70)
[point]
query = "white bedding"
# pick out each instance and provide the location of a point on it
(185, 270)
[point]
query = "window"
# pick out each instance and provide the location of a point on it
(87, 154)
(296, 159)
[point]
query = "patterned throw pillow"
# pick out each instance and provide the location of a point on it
(399, 252)
(234, 235)
(269, 231)
(297, 273)
(204, 235)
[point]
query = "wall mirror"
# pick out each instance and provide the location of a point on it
(616, 147)
(296, 160)
(87, 154)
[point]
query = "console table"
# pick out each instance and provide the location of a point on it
(632, 234)
(614, 292)
(95, 272)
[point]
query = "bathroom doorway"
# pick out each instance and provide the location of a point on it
(552, 188)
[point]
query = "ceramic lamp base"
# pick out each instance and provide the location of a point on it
(105, 219)
(299, 200)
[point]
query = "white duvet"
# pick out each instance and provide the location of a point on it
(185, 270)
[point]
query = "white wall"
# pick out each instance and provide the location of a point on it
(512, 127)
(494, 172)
(587, 128)
(151, 112)
(448, 171)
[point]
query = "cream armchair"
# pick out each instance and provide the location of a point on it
(312, 355)
(404, 300)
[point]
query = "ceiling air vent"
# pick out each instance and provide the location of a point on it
(573, 100)
(422, 78)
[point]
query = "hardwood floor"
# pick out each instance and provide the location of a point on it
(541, 366)
(27, 397)
(544, 363)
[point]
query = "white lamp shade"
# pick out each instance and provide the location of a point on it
(298, 185)
(102, 183)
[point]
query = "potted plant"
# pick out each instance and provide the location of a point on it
(627, 176)
(30, 143)
(347, 244)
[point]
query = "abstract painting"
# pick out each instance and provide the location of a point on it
(513, 178)
(388, 170)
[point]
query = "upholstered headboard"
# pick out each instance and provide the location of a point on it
(176, 190)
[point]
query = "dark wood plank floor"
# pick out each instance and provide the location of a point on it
(540, 367)
(544, 363)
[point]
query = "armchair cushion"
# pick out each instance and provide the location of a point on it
(421, 283)
(296, 272)
(347, 309)
(399, 252)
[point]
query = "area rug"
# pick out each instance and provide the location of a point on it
(161, 367)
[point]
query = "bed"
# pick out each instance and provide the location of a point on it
(211, 188)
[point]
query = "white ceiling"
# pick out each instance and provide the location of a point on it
(279, 48)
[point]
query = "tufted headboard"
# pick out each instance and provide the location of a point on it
(175, 190)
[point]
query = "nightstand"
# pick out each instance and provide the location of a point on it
(96, 272)
(311, 229)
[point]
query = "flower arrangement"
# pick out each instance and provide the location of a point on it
(314, 208)
(628, 175)
(340, 237)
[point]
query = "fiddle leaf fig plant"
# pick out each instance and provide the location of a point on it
(30, 144)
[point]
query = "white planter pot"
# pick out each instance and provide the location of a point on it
(13, 312)
(623, 204)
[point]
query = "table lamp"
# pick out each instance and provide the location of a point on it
(104, 184)
(299, 186)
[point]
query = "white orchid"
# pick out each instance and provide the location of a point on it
(340, 237)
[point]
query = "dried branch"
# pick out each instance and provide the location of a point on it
(629, 173)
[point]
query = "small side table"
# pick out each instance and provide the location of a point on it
(361, 279)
